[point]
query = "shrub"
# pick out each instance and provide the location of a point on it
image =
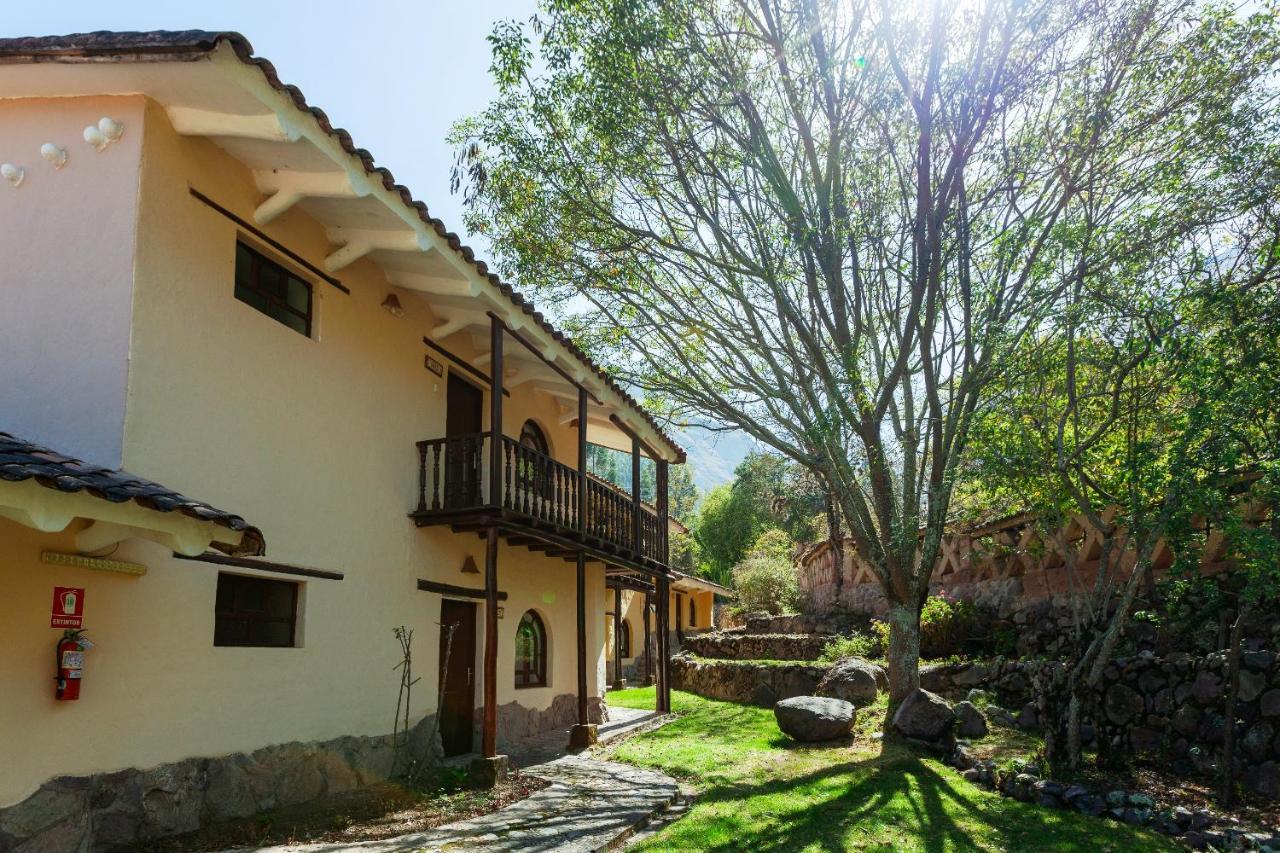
(945, 625)
(766, 584)
(856, 645)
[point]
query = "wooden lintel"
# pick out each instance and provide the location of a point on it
(262, 565)
(456, 591)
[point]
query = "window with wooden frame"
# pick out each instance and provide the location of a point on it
(624, 639)
(255, 611)
(531, 651)
(275, 291)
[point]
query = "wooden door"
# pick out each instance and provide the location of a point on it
(463, 448)
(457, 675)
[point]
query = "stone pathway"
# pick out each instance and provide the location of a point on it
(589, 805)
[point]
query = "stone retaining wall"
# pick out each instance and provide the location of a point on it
(130, 806)
(751, 683)
(734, 646)
(1170, 708)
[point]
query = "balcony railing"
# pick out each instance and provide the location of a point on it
(455, 478)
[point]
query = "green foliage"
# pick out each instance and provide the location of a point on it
(855, 645)
(758, 790)
(765, 580)
(767, 493)
(946, 625)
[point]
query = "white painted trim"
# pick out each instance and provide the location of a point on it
(50, 511)
(273, 127)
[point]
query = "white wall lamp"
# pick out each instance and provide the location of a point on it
(105, 132)
(56, 157)
(13, 174)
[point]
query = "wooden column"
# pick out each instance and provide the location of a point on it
(490, 724)
(582, 458)
(582, 639)
(495, 411)
(617, 637)
(635, 493)
(664, 680)
(648, 654)
(661, 500)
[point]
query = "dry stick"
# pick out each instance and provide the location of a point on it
(435, 722)
(1227, 793)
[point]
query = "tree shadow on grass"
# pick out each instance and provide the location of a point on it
(875, 802)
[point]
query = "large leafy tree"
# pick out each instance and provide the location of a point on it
(829, 223)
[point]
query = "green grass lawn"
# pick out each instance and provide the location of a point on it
(758, 790)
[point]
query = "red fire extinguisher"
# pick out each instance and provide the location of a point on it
(70, 663)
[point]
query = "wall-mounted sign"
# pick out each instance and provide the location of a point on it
(68, 607)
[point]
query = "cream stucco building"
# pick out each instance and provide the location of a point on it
(208, 286)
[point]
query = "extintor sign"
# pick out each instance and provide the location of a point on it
(68, 607)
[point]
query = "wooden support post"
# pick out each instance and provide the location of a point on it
(635, 495)
(661, 500)
(495, 412)
(582, 639)
(648, 654)
(583, 734)
(617, 638)
(490, 724)
(664, 674)
(582, 459)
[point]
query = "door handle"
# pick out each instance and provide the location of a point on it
(468, 676)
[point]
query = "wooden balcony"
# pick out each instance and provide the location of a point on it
(534, 500)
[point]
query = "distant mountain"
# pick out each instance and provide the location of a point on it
(714, 455)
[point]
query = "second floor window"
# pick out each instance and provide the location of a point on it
(273, 290)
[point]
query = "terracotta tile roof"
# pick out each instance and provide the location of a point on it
(21, 460)
(174, 44)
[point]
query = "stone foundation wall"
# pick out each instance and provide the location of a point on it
(517, 723)
(127, 807)
(751, 683)
(758, 646)
(1170, 708)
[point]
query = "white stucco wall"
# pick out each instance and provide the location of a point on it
(66, 275)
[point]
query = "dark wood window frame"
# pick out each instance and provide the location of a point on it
(531, 670)
(624, 639)
(238, 622)
(255, 293)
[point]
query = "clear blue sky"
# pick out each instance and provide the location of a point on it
(395, 73)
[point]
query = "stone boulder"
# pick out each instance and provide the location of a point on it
(814, 718)
(854, 680)
(925, 716)
(970, 722)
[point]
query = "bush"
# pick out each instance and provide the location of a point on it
(766, 584)
(856, 645)
(946, 624)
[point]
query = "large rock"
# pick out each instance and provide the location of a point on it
(925, 716)
(814, 718)
(1122, 703)
(970, 721)
(854, 680)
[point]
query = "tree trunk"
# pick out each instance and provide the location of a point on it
(903, 654)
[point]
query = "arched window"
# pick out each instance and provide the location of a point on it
(531, 469)
(531, 436)
(624, 639)
(531, 651)
(693, 614)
